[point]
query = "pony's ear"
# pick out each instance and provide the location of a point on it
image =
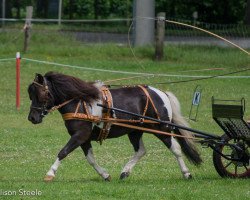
(39, 78)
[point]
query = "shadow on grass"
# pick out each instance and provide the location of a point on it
(130, 180)
(49, 182)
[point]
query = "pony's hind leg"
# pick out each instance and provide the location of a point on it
(175, 148)
(88, 152)
(135, 138)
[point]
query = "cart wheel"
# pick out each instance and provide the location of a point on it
(228, 168)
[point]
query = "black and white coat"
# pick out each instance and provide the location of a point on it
(133, 99)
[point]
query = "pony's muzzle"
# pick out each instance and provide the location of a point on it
(35, 118)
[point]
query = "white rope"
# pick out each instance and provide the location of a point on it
(6, 59)
(200, 29)
(131, 49)
(125, 72)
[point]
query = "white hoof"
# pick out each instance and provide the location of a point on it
(48, 178)
(187, 175)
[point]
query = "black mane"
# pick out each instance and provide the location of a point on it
(67, 87)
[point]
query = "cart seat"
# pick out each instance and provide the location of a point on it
(229, 116)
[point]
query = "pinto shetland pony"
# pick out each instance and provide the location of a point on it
(55, 89)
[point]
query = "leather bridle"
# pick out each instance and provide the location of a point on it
(43, 108)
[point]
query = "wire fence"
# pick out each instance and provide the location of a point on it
(109, 31)
(115, 30)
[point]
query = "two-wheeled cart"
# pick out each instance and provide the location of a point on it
(231, 155)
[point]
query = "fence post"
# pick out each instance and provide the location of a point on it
(143, 14)
(60, 12)
(27, 27)
(18, 62)
(160, 35)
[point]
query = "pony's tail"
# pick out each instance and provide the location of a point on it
(187, 144)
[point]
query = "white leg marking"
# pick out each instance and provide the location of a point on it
(176, 150)
(54, 168)
(138, 155)
(90, 158)
(165, 100)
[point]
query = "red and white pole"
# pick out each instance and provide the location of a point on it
(18, 62)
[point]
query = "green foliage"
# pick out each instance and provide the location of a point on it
(211, 11)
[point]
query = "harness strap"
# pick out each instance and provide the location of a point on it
(60, 105)
(146, 106)
(108, 102)
(149, 130)
(77, 107)
(86, 109)
(97, 119)
(106, 117)
(151, 101)
(80, 116)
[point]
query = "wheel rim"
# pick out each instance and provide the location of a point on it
(234, 168)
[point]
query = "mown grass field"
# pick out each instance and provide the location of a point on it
(27, 151)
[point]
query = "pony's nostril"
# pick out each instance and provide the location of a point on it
(31, 118)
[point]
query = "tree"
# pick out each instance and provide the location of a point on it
(71, 9)
(247, 16)
(101, 8)
(8, 6)
(17, 5)
(42, 8)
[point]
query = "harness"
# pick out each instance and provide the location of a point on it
(108, 118)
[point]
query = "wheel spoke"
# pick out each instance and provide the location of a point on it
(246, 167)
(235, 169)
(229, 161)
(228, 164)
(229, 155)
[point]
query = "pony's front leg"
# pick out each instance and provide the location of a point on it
(75, 141)
(88, 152)
(52, 171)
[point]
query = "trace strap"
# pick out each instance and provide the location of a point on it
(109, 120)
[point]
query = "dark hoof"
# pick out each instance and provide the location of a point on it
(108, 179)
(190, 176)
(124, 175)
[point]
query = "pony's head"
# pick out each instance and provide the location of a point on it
(53, 89)
(41, 99)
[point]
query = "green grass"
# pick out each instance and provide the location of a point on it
(27, 151)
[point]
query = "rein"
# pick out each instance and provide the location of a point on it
(109, 120)
(127, 123)
(106, 117)
(59, 106)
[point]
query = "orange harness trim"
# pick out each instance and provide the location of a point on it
(151, 101)
(108, 102)
(151, 130)
(109, 120)
(81, 116)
